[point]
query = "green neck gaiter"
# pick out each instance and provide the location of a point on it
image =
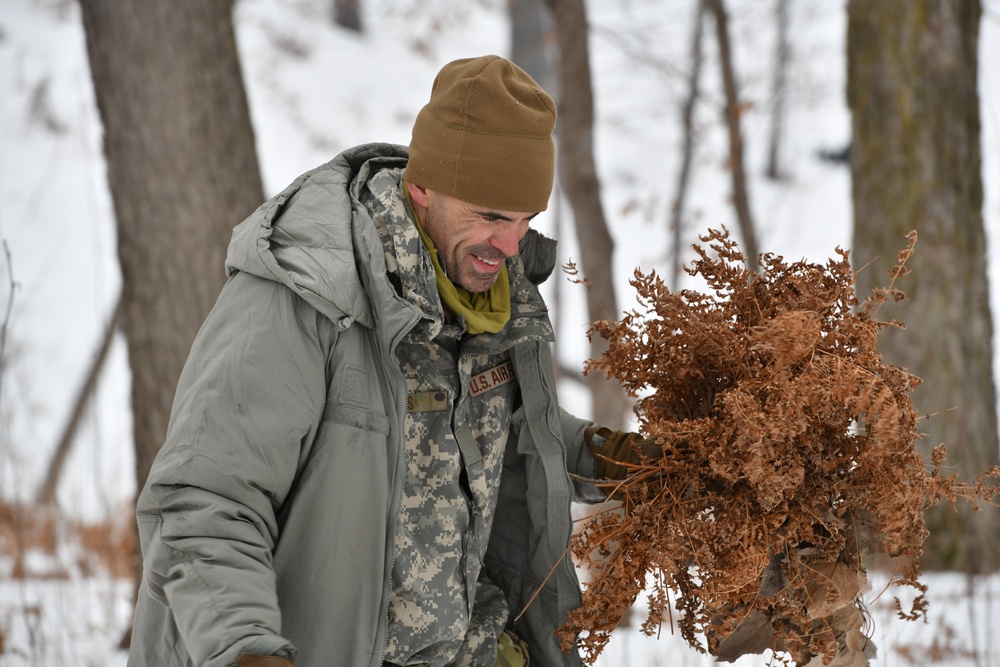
(484, 312)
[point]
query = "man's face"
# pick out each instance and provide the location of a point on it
(472, 241)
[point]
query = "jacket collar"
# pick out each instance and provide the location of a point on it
(317, 238)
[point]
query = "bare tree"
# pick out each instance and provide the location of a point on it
(6, 316)
(687, 152)
(915, 163)
(183, 171)
(733, 111)
(782, 58)
(347, 14)
(47, 492)
(532, 41)
(578, 178)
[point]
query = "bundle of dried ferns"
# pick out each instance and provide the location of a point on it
(783, 453)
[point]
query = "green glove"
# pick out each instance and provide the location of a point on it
(511, 651)
(251, 660)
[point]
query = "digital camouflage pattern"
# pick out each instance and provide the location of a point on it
(461, 395)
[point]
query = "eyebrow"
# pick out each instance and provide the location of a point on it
(493, 215)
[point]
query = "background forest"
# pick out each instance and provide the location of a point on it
(800, 125)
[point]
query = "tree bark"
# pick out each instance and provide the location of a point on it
(578, 177)
(916, 164)
(183, 171)
(733, 110)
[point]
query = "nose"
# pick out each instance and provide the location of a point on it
(508, 237)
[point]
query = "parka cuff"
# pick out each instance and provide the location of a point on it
(269, 645)
(587, 491)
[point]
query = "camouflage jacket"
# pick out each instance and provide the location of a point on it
(461, 395)
(268, 524)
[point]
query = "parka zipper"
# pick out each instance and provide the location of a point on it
(567, 560)
(393, 370)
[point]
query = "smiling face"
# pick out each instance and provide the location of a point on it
(472, 241)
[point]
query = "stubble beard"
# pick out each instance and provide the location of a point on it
(459, 265)
(468, 276)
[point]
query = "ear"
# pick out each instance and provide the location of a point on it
(419, 195)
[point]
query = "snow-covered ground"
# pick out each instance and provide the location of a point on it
(57, 623)
(314, 90)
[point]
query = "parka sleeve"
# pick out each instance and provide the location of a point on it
(579, 461)
(246, 412)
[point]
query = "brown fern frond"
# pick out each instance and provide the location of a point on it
(783, 453)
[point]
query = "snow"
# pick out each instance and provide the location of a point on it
(315, 90)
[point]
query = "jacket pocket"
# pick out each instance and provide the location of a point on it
(353, 398)
(358, 417)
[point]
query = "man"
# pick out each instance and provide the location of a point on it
(366, 462)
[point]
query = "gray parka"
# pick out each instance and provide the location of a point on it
(267, 521)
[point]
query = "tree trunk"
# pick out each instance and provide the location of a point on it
(183, 171)
(915, 161)
(578, 177)
(532, 42)
(741, 195)
(687, 152)
(47, 492)
(347, 14)
(782, 59)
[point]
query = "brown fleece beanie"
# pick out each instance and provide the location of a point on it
(485, 137)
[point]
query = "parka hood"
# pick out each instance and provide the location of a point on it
(315, 238)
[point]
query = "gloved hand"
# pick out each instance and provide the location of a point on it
(610, 449)
(511, 651)
(251, 660)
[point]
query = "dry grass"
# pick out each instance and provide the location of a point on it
(106, 546)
